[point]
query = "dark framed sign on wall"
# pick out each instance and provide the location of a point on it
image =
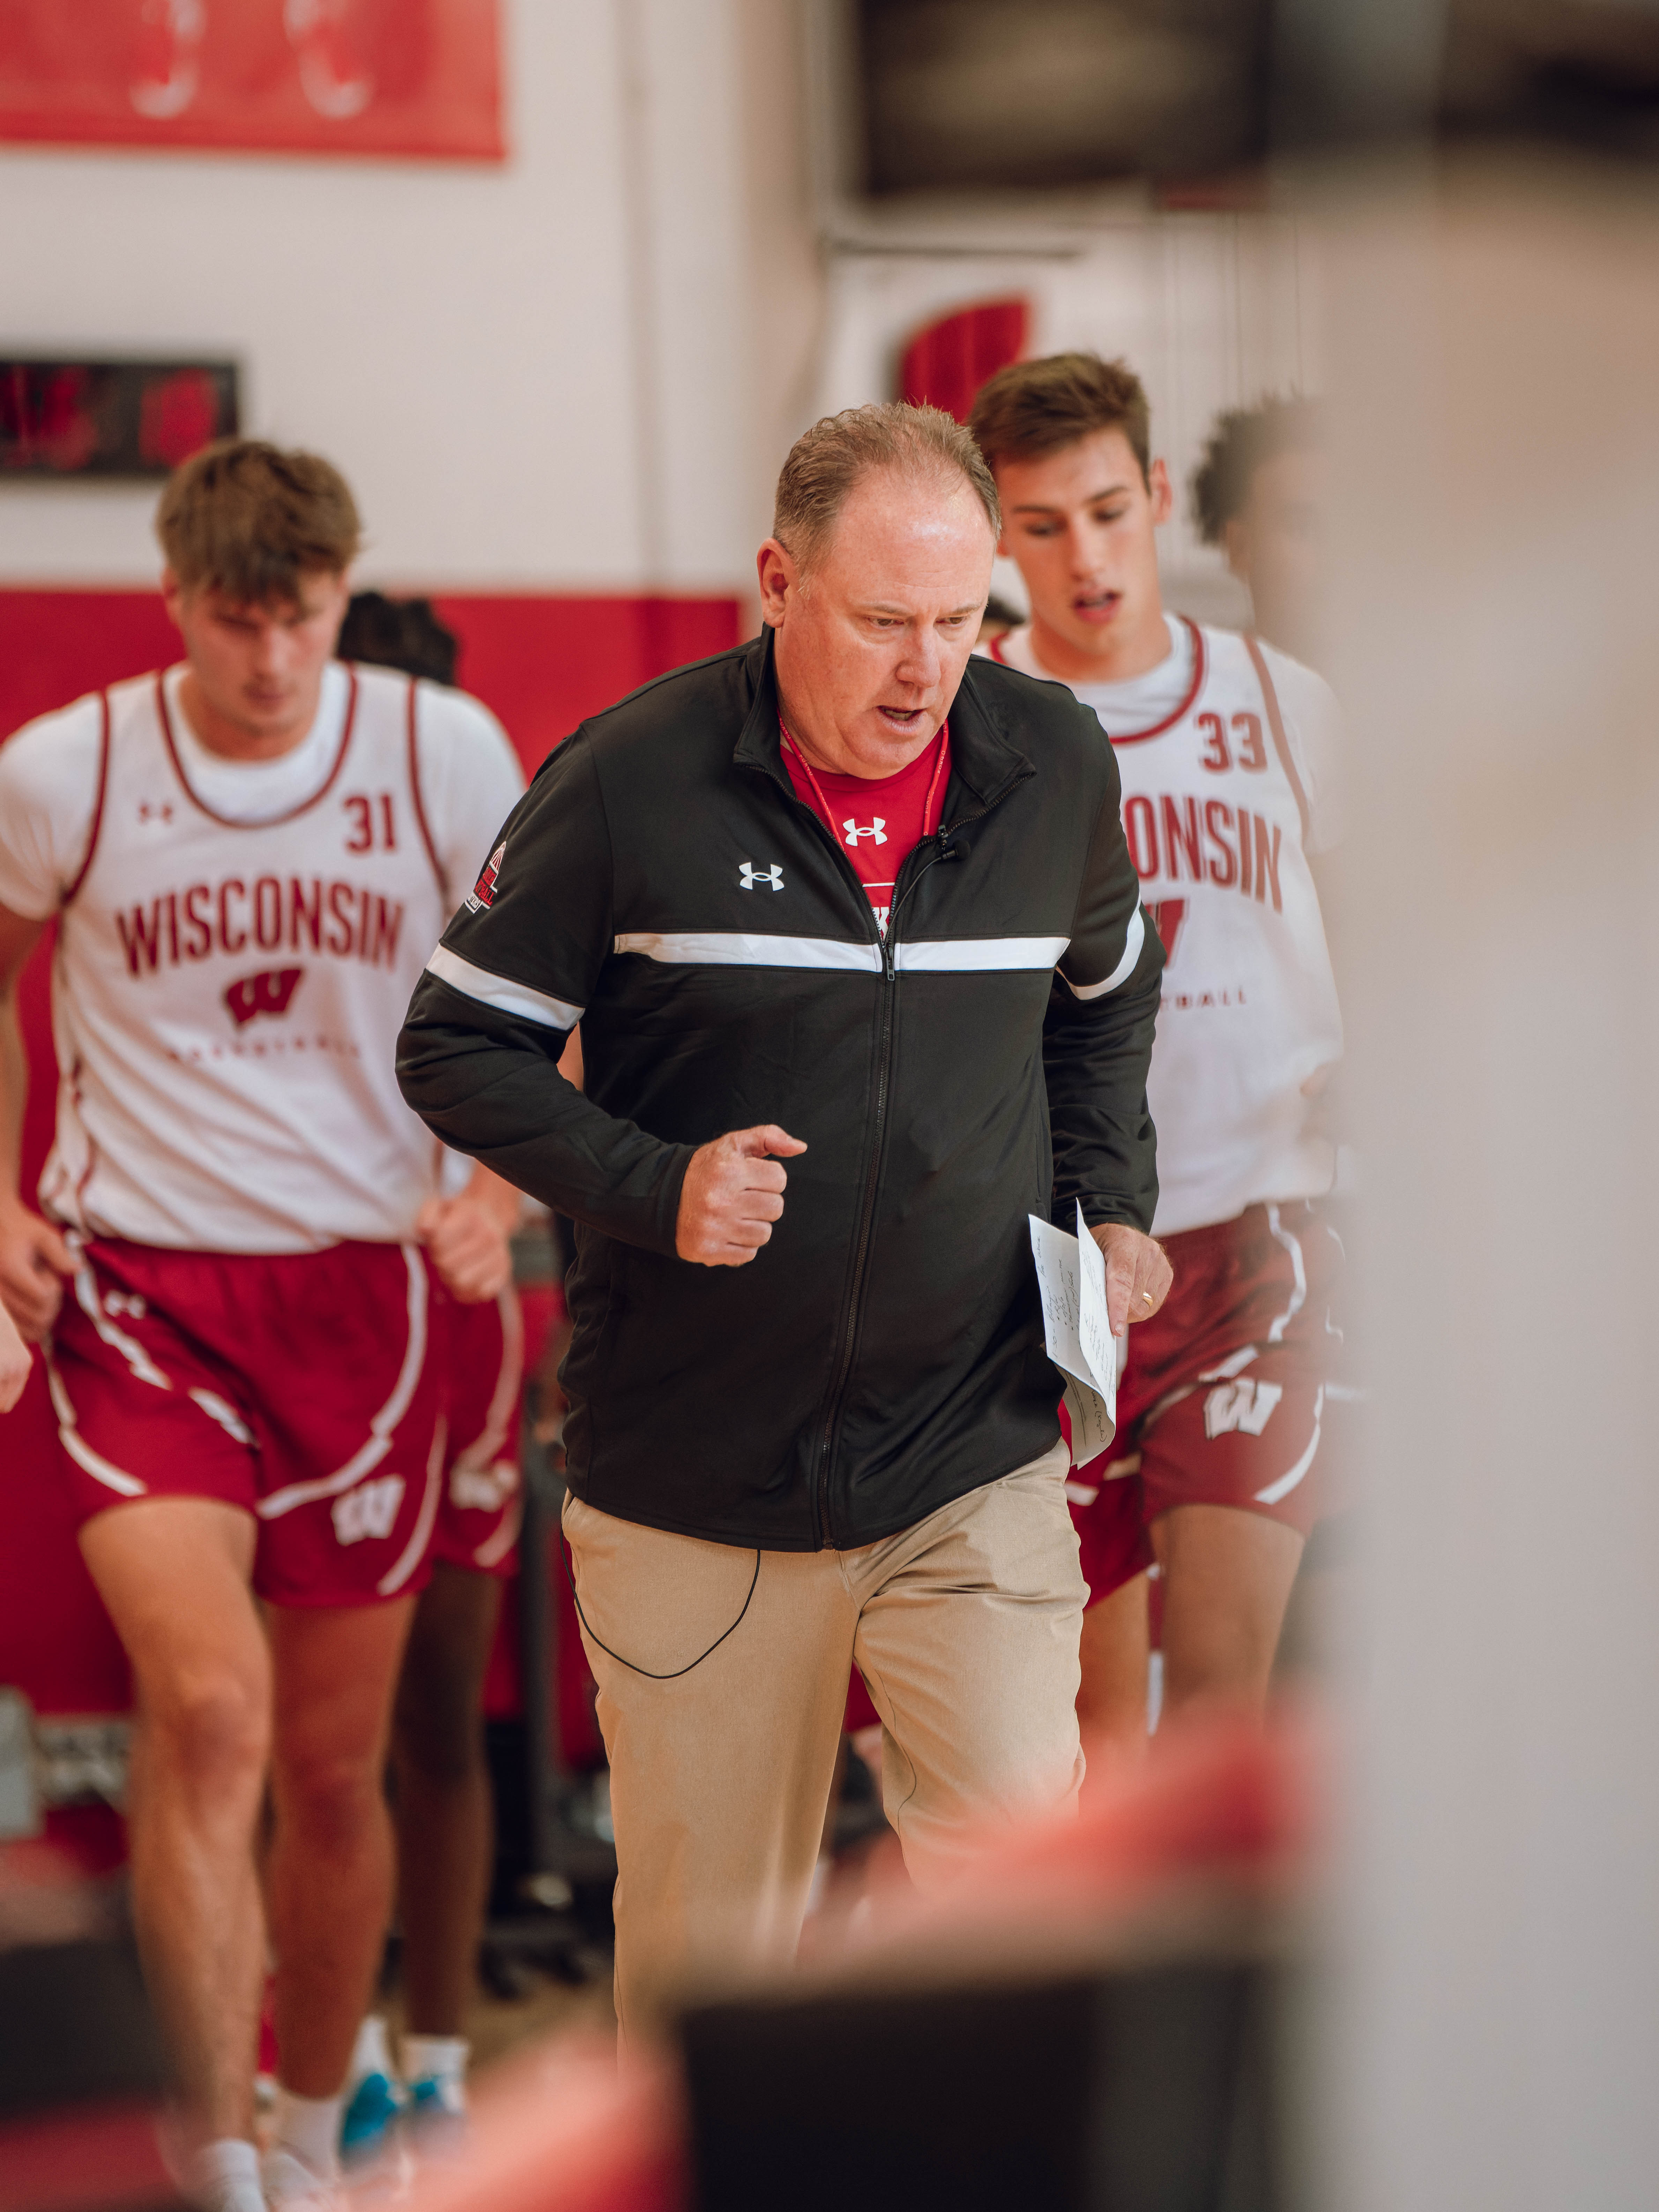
(111, 418)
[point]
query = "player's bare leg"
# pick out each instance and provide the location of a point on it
(445, 1826)
(1111, 1705)
(328, 1875)
(174, 1574)
(1227, 1577)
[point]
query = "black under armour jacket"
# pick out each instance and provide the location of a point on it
(661, 883)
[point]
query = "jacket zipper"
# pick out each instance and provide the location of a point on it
(849, 1316)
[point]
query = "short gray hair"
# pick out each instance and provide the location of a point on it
(826, 462)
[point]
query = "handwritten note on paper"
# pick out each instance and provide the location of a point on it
(1072, 1279)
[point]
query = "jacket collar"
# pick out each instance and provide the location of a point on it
(984, 755)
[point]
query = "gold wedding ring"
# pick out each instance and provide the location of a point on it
(1147, 1295)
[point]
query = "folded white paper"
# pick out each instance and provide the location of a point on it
(1072, 1277)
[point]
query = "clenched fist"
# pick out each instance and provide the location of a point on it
(733, 1193)
(1137, 1276)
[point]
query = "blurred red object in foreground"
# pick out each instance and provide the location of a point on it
(566, 2129)
(1221, 1802)
(1221, 1805)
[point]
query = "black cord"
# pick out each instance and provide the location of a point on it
(628, 1663)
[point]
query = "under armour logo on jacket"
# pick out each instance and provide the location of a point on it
(877, 830)
(754, 879)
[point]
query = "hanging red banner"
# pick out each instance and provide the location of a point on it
(413, 78)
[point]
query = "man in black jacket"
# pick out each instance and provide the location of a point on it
(844, 899)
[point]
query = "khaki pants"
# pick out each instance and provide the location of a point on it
(965, 1627)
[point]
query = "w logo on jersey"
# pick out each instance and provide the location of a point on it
(483, 893)
(269, 991)
(877, 831)
(370, 1510)
(1167, 914)
(1242, 1404)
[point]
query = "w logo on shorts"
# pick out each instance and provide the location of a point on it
(484, 1489)
(269, 991)
(370, 1510)
(1242, 1405)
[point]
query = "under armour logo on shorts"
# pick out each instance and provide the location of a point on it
(268, 992)
(877, 829)
(370, 1510)
(484, 1489)
(754, 879)
(1242, 1404)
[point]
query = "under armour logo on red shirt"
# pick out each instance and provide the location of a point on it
(877, 830)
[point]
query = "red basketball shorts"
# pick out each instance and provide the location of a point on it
(1222, 1401)
(483, 1499)
(305, 1388)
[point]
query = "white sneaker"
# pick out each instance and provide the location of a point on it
(290, 2184)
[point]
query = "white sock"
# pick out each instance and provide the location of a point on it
(309, 2127)
(224, 2177)
(434, 2057)
(371, 2053)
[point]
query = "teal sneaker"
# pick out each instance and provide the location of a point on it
(436, 2117)
(367, 2125)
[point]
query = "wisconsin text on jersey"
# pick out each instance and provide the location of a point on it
(1228, 850)
(273, 913)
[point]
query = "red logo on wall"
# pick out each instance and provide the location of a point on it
(418, 77)
(269, 991)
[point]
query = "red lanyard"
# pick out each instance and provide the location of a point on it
(818, 788)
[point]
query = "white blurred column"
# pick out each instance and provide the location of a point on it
(1495, 352)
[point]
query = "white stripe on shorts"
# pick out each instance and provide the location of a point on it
(99, 1469)
(1286, 1482)
(414, 1550)
(486, 1448)
(379, 1443)
(1300, 1295)
(87, 1298)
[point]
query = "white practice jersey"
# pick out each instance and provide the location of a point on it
(1228, 756)
(237, 944)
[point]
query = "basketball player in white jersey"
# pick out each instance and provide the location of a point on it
(248, 858)
(1259, 493)
(1226, 750)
